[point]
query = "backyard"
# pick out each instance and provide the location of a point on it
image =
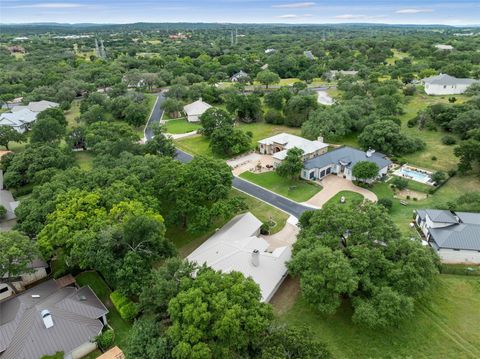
(296, 190)
(445, 324)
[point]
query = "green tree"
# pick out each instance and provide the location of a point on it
(298, 109)
(291, 166)
(17, 251)
(217, 315)
(160, 144)
(136, 114)
(8, 134)
(173, 107)
(247, 108)
(146, 341)
(228, 141)
(47, 130)
(267, 77)
(365, 170)
(438, 177)
(357, 252)
(215, 118)
(400, 182)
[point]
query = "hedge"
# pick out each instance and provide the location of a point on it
(128, 310)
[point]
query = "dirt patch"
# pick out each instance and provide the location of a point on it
(286, 295)
(411, 194)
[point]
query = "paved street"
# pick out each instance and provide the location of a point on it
(290, 207)
(155, 117)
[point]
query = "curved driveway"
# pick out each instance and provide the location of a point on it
(253, 190)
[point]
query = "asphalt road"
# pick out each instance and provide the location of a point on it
(155, 117)
(286, 205)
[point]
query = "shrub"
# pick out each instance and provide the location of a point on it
(128, 310)
(57, 355)
(438, 177)
(105, 339)
(385, 202)
(265, 229)
(3, 212)
(449, 140)
(408, 197)
(452, 99)
(400, 183)
(452, 173)
(412, 122)
(274, 117)
(434, 158)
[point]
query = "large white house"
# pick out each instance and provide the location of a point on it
(278, 146)
(22, 117)
(341, 161)
(195, 110)
(444, 84)
(238, 247)
(455, 236)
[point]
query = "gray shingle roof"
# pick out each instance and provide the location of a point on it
(457, 236)
(75, 316)
(444, 79)
(347, 156)
(442, 216)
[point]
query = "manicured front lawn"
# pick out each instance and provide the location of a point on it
(186, 242)
(445, 325)
(350, 198)
(297, 190)
(101, 289)
(181, 126)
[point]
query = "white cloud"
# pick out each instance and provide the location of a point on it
(349, 17)
(288, 16)
(298, 5)
(412, 11)
(51, 5)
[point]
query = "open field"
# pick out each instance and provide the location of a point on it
(397, 55)
(181, 126)
(72, 114)
(445, 324)
(297, 190)
(101, 289)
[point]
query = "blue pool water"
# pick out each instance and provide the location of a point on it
(418, 176)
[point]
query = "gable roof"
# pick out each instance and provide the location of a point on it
(196, 108)
(36, 106)
(240, 74)
(441, 216)
(75, 316)
(289, 141)
(444, 79)
(346, 156)
(231, 249)
(19, 118)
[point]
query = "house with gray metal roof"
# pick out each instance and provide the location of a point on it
(444, 84)
(49, 318)
(341, 161)
(240, 76)
(455, 236)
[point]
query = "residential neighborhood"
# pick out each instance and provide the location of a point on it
(264, 180)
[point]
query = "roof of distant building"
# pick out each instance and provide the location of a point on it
(289, 141)
(444, 79)
(348, 157)
(196, 108)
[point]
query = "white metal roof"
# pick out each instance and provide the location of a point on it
(36, 106)
(18, 118)
(196, 108)
(231, 249)
(289, 141)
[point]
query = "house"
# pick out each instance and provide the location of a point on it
(444, 84)
(341, 161)
(334, 74)
(278, 146)
(195, 110)
(20, 120)
(309, 55)
(444, 47)
(455, 236)
(49, 318)
(36, 106)
(240, 76)
(37, 271)
(238, 247)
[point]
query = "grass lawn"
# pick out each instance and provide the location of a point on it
(397, 55)
(101, 289)
(84, 159)
(199, 145)
(350, 197)
(186, 242)
(445, 325)
(72, 114)
(181, 126)
(299, 190)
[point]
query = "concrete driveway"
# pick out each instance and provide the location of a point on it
(332, 185)
(286, 237)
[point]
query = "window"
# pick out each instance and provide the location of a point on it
(329, 170)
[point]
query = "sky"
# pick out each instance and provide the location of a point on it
(449, 12)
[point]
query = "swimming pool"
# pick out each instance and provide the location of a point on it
(414, 174)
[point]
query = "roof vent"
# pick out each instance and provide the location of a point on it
(82, 298)
(256, 257)
(47, 318)
(35, 296)
(370, 152)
